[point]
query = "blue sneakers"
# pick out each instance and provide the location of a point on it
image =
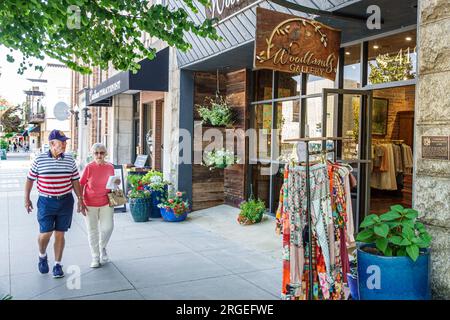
(58, 271)
(43, 265)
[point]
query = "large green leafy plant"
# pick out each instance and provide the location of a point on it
(395, 233)
(216, 112)
(251, 211)
(154, 181)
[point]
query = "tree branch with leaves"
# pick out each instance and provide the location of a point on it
(85, 33)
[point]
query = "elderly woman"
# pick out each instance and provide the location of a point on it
(99, 217)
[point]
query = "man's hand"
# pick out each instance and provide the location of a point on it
(28, 205)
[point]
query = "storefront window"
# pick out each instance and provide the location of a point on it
(263, 81)
(288, 124)
(263, 126)
(288, 84)
(316, 84)
(392, 58)
(352, 67)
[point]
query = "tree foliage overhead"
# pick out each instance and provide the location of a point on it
(10, 120)
(86, 33)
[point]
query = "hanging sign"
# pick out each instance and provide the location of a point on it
(220, 9)
(293, 44)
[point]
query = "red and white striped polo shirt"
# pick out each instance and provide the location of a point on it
(54, 176)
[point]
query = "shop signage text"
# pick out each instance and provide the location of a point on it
(297, 45)
(105, 91)
(435, 147)
(220, 9)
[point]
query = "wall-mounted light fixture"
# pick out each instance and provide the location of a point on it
(87, 115)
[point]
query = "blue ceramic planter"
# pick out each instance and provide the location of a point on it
(393, 278)
(140, 209)
(156, 198)
(169, 216)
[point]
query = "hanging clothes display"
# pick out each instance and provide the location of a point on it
(332, 231)
(390, 162)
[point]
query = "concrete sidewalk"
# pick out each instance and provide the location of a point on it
(208, 256)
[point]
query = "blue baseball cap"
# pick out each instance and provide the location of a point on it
(57, 135)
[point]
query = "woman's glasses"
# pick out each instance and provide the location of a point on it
(100, 153)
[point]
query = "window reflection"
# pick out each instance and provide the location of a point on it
(393, 58)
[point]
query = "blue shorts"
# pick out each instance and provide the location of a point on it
(55, 214)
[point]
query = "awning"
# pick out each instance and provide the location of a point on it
(152, 76)
(35, 129)
(25, 133)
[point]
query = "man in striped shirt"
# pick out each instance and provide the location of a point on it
(56, 174)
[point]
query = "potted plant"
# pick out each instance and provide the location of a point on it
(216, 112)
(154, 182)
(139, 198)
(174, 208)
(219, 159)
(252, 211)
(394, 257)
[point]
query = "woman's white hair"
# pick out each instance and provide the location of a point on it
(98, 147)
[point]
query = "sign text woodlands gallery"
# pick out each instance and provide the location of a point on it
(293, 44)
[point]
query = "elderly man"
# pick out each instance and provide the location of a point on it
(56, 174)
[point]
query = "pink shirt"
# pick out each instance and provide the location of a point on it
(93, 181)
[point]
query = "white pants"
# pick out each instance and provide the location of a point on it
(99, 218)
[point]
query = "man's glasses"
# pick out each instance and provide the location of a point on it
(101, 153)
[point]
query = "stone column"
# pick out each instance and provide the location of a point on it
(432, 177)
(121, 129)
(171, 121)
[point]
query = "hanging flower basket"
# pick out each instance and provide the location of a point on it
(220, 159)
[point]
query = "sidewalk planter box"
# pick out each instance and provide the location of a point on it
(393, 278)
(140, 209)
(170, 216)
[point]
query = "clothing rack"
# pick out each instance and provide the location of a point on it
(308, 194)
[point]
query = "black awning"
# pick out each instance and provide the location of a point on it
(152, 76)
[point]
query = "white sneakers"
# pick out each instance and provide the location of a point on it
(104, 256)
(97, 262)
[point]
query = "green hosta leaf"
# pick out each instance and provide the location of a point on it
(413, 251)
(405, 242)
(416, 240)
(408, 223)
(396, 240)
(388, 252)
(412, 214)
(408, 232)
(389, 216)
(382, 244)
(368, 221)
(382, 230)
(425, 236)
(420, 226)
(364, 235)
(393, 224)
(397, 208)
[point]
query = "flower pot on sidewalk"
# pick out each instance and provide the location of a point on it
(140, 209)
(170, 216)
(393, 278)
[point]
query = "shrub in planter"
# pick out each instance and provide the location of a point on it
(220, 159)
(216, 112)
(174, 208)
(393, 262)
(252, 211)
(139, 198)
